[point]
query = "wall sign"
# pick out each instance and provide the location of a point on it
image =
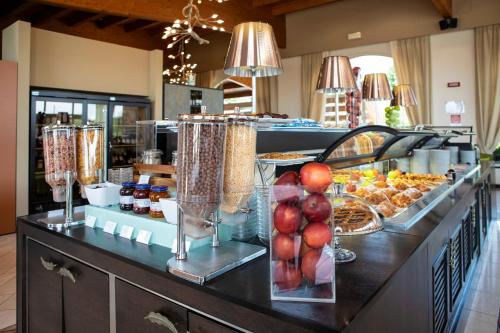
(455, 84)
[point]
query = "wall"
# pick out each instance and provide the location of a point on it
(452, 59)
(289, 88)
(53, 60)
(16, 47)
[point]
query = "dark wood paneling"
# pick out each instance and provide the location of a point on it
(134, 304)
(199, 324)
(45, 291)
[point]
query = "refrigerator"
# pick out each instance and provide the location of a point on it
(117, 113)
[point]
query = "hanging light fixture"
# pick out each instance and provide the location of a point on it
(180, 33)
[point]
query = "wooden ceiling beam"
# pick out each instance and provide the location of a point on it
(232, 12)
(297, 5)
(48, 13)
(75, 18)
(260, 3)
(22, 11)
(138, 25)
(108, 20)
(444, 7)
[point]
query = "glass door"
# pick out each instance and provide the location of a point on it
(122, 133)
(48, 111)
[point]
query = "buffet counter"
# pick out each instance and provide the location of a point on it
(111, 284)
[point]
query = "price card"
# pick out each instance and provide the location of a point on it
(143, 179)
(110, 227)
(144, 236)
(90, 221)
(127, 232)
(174, 245)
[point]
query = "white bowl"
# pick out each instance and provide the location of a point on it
(104, 194)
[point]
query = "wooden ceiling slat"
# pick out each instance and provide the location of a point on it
(232, 12)
(48, 13)
(444, 7)
(22, 11)
(297, 5)
(137, 24)
(258, 3)
(109, 20)
(75, 18)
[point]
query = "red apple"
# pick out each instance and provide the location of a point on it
(284, 247)
(315, 177)
(304, 249)
(355, 177)
(287, 218)
(285, 189)
(350, 187)
(286, 277)
(381, 178)
(308, 265)
(317, 268)
(316, 208)
(317, 234)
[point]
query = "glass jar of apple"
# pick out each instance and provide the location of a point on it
(302, 255)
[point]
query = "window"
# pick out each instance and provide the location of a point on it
(370, 112)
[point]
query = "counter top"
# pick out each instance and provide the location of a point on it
(380, 256)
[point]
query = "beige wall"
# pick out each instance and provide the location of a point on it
(53, 60)
(289, 88)
(452, 59)
(16, 47)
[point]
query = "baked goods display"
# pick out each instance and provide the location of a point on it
(364, 144)
(281, 156)
(354, 217)
(389, 195)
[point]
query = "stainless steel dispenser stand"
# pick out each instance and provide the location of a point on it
(207, 262)
(69, 218)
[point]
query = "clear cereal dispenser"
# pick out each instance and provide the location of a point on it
(89, 155)
(59, 152)
(200, 177)
(59, 147)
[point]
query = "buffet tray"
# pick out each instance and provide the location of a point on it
(285, 162)
(434, 189)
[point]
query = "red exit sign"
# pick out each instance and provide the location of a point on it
(453, 84)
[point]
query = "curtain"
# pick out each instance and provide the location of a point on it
(312, 101)
(487, 40)
(205, 79)
(412, 62)
(267, 94)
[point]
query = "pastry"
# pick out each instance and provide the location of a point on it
(390, 191)
(422, 187)
(386, 209)
(400, 186)
(375, 197)
(401, 200)
(354, 219)
(413, 193)
(380, 184)
(364, 144)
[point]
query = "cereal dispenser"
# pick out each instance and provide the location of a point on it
(59, 147)
(200, 180)
(89, 155)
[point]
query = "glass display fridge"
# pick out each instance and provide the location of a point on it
(116, 113)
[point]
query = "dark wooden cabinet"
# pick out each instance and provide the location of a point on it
(440, 291)
(138, 310)
(199, 324)
(455, 264)
(467, 252)
(64, 295)
(45, 290)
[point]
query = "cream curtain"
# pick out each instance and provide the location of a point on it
(487, 40)
(267, 94)
(205, 79)
(312, 101)
(412, 62)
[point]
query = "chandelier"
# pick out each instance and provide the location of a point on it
(180, 33)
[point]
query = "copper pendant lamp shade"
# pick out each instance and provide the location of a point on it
(336, 75)
(253, 51)
(404, 96)
(376, 87)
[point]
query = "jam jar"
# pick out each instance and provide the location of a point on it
(157, 192)
(141, 199)
(127, 196)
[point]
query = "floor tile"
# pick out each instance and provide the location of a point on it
(7, 318)
(486, 283)
(482, 301)
(476, 322)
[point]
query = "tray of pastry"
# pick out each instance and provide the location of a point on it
(283, 159)
(393, 197)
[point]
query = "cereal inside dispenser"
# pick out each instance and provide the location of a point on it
(200, 167)
(59, 157)
(89, 153)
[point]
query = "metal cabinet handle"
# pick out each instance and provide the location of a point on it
(48, 265)
(161, 320)
(64, 272)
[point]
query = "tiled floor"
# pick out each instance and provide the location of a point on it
(482, 306)
(7, 282)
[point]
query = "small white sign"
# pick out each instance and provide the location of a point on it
(90, 221)
(174, 245)
(143, 179)
(144, 236)
(127, 231)
(110, 227)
